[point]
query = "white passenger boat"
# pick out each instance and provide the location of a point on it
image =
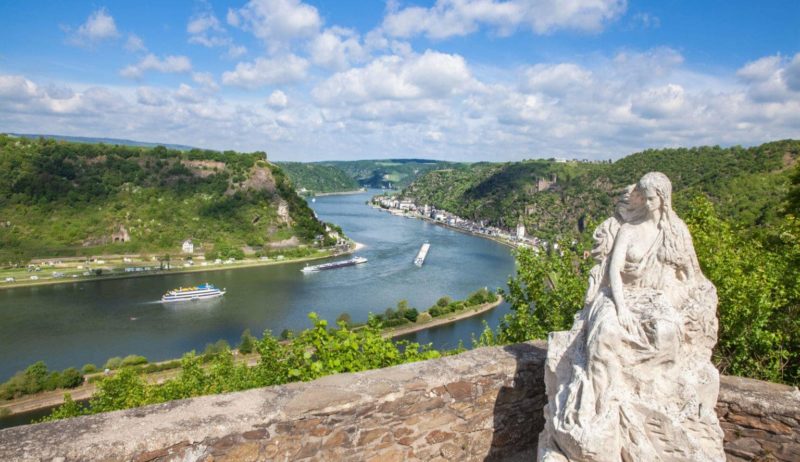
(186, 294)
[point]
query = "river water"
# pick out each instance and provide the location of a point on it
(77, 323)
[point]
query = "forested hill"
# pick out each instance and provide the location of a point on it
(387, 173)
(318, 178)
(746, 184)
(62, 199)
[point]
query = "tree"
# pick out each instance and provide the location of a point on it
(247, 343)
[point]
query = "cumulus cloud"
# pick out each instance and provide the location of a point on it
(205, 80)
(135, 43)
(430, 75)
(448, 18)
(261, 72)
(660, 102)
(169, 64)
(772, 78)
(277, 22)
(434, 104)
(277, 100)
(150, 96)
(205, 29)
(336, 48)
(99, 26)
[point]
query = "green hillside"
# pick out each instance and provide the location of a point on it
(745, 184)
(318, 178)
(387, 173)
(67, 199)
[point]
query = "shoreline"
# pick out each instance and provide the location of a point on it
(443, 320)
(177, 270)
(454, 228)
(340, 193)
(52, 398)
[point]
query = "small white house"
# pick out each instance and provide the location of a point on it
(188, 246)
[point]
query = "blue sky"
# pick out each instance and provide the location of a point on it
(449, 79)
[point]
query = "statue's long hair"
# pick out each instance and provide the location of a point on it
(676, 248)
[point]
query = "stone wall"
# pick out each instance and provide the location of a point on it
(480, 405)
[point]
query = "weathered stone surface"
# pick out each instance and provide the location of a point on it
(649, 315)
(499, 420)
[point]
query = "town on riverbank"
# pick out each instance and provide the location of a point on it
(405, 207)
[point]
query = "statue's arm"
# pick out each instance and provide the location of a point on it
(615, 267)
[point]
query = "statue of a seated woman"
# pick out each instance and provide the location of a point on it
(633, 380)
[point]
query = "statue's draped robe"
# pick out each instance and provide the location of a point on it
(661, 390)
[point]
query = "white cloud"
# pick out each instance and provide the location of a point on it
(448, 18)
(660, 102)
(205, 29)
(556, 79)
(169, 64)
(187, 94)
(277, 22)
(205, 80)
(792, 73)
(336, 48)
(277, 100)
(430, 75)
(135, 43)
(434, 105)
(99, 26)
(261, 72)
(150, 96)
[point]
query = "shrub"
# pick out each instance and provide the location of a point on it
(444, 301)
(411, 314)
(248, 342)
(424, 317)
(70, 378)
(89, 368)
(113, 363)
(133, 360)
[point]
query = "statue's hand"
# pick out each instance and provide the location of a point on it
(626, 319)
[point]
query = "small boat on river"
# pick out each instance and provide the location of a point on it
(188, 294)
(423, 252)
(334, 265)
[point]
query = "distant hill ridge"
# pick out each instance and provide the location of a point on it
(92, 140)
(560, 198)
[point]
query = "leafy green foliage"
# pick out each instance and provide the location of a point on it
(313, 353)
(741, 182)
(397, 173)
(755, 277)
(757, 302)
(318, 178)
(36, 378)
(67, 199)
(247, 343)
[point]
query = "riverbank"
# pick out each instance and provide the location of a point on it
(341, 193)
(417, 216)
(53, 398)
(443, 320)
(246, 263)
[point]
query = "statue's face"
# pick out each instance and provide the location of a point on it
(652, 200)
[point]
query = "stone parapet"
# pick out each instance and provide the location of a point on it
(484, 404)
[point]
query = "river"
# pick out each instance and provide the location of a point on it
(73, 324)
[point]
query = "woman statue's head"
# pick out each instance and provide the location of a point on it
(656, 191)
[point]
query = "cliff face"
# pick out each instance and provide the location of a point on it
(482, 405)
(66, 199)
